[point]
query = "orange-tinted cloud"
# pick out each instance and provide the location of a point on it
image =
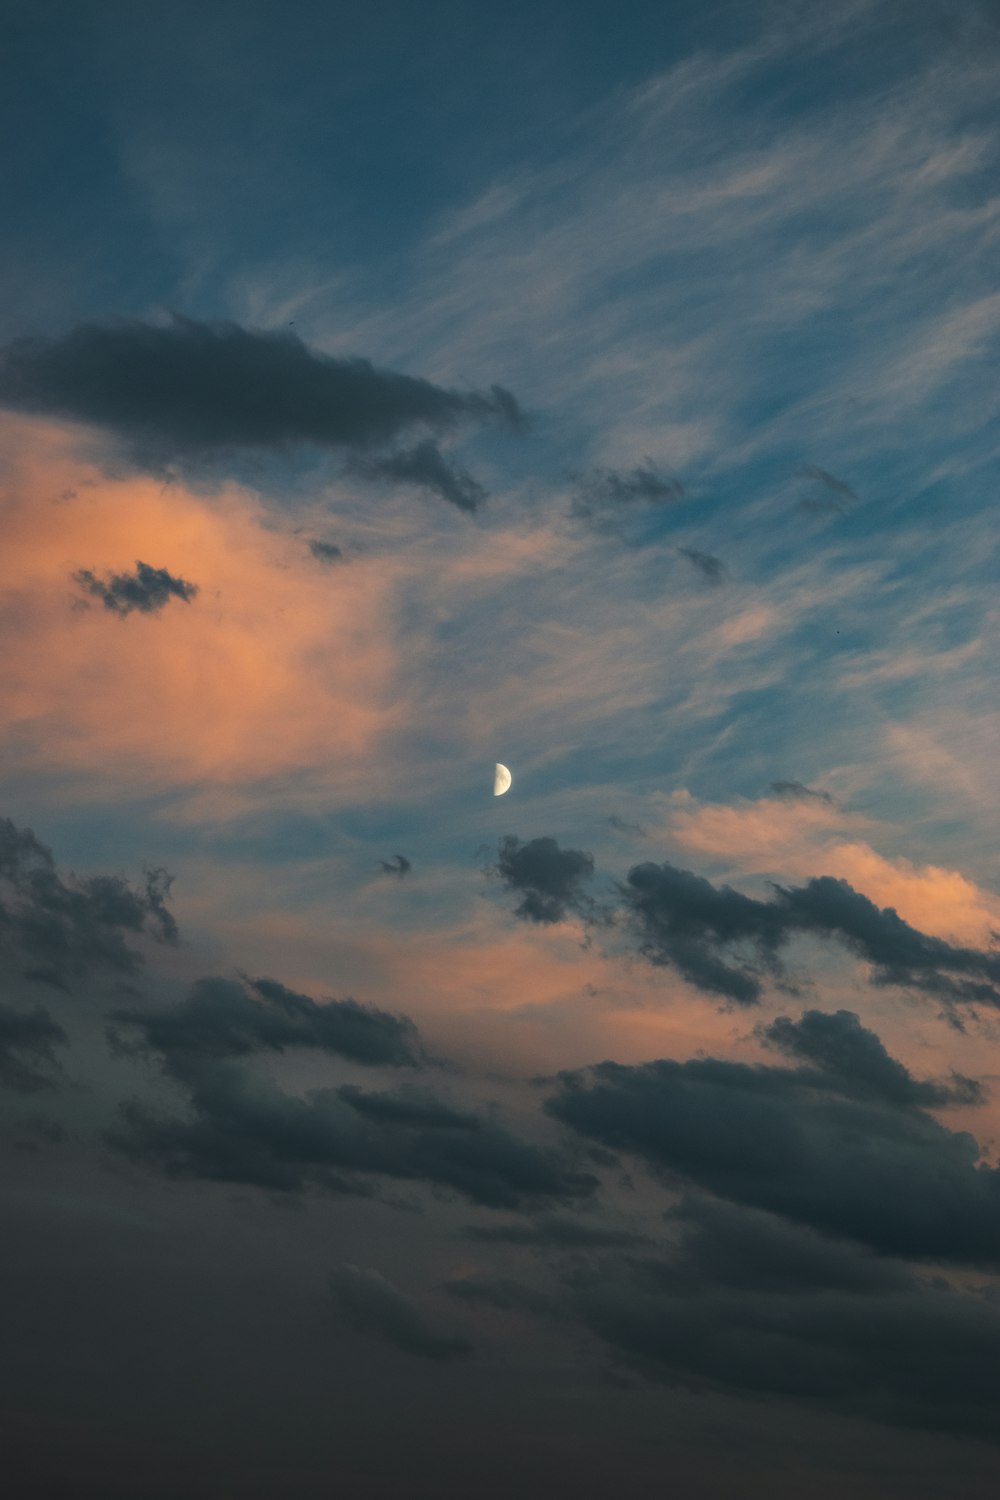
(274, 668)
(784, 839)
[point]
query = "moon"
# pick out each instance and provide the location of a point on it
(501, 780)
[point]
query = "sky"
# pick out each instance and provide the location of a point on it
(388, 390)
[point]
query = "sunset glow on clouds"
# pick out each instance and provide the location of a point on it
(361, 429)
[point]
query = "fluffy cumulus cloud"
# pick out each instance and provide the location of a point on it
(549, 880)
(187, 389)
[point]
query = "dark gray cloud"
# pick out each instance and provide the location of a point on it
(683, 920)
(848, 1153)
(409, 1107)
(840, 1047)
(187, 390)
(899, 954)
(28, 1040)
(795, 791)
(368, 1303)
(607, 490)
(326, 552)
(729, 944)
(505, 1295)
(147, 589)
(240, 1127)
(751, 1304)
(398, 865)
(828, 493)
(426, 467)
(621, 825)
(549, 879)
(66, 927)
(226, 1018)
(554, 1232)
(712, 569)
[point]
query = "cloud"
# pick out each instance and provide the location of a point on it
(67, 927)
(325, 552)
(794, 791)
(729, 944)
(712, 569)
(507, 1296)
(368, 1303)
(147, 589)
(605, 490)
(795, 831)
(552, 1231)
(398, 865)
(245, 684)
(410, 1107)
(241, 1127)
(426, 467)
(27, 1043)
(843, 1145)
(839, 1046)
(899, 953)
(550, 878)
(681, 919)
(748, 1303)
(223, 1018)
(828, 492)
(188, 389)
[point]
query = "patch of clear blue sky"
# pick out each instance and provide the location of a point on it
(281, 127)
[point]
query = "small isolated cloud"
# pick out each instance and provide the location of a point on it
(827, 492)
(27, 1042)
(186, 390)
(326, 552)
(602, 491)
(622, 825)
(794, 791)
(147, 589)
(426, 467)
(367, 1303)
(399, 865)
(549, 879)
(712, 569)
(67, 927)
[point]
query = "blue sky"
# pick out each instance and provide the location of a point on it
(670, 483)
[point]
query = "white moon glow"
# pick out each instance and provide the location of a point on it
(501, 780)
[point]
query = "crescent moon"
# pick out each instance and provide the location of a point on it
(501, 780)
